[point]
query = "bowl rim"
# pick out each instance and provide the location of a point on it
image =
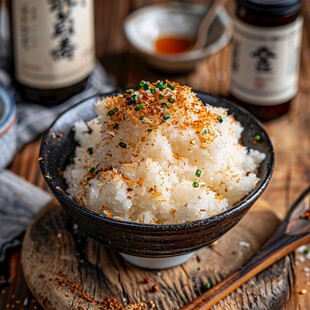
(8, 104)
(186, 56)
(239, 207)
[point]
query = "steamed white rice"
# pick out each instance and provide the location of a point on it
(143, 165)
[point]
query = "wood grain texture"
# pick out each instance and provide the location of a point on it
(290, 135)
(65, 269)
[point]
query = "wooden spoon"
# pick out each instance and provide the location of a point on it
(293, 232)
(203, 31)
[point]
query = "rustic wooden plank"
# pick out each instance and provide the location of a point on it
(66, 269)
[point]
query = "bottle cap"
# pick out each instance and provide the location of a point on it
(271, 7)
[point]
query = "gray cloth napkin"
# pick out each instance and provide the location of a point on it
(19, 200)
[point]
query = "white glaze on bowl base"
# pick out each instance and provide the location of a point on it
(157, 262)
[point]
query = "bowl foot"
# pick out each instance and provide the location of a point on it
(157, 262)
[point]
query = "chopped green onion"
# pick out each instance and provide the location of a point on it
(115, 126)
(305, 251)
(146, 85)
(165, 104)
(208, 286)
(205, 131)
(171, 86)
(90, 151)
(198, 173)
(133, 99)
(166, 116)
(111, 113)
(139, 107)
(258, 138)
(137, 87)
(71, 159)
(92, 170)
(220, 119)
(195, 184)
(171, 99)
(160, 85)
(141, 118)
(150, 130)
(161, 96)
(153, 90)
(122, 145)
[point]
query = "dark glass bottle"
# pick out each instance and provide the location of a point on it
(53, 43)
(265, 58)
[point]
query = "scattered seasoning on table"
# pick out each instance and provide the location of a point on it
(244, 244)
(90, 151)
(40, 158)
(146, 280)
(115, 126)
(208, 286)
(155, 288)
(92, 170)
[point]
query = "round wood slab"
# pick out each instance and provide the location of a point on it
(65, 269)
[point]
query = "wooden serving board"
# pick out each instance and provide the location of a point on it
(65, 269)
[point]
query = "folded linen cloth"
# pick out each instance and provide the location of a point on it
(19, 200)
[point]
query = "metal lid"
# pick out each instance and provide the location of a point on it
(271, 7)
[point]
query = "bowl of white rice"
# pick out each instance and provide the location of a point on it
(158, 171)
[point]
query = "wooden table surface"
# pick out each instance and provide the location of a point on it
(290, 134)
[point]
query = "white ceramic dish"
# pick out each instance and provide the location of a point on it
(7, 128)
(144, 26)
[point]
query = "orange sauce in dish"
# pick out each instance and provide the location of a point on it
(173, 45)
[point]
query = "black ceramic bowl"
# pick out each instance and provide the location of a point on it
(145, 239)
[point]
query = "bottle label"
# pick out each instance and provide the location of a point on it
(266, 62)
(53, 42)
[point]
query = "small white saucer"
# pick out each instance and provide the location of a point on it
(145, 25)
(157, 262)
